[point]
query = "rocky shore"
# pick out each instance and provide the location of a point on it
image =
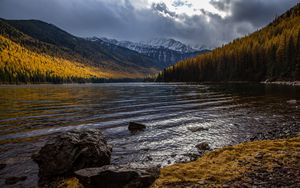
(82, 158)
(268, 159)
(269, 163)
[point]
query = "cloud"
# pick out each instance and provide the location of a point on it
(162, 8)
(181, 3)
(223, 5)
(145, 19)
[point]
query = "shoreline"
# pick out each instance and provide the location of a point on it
(260, 161)
(267, 159)
(271, 162)
(255, 163)
(284, 83)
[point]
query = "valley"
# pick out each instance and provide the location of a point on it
(158, 93)
(46, 49)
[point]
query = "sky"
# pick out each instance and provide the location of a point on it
(209, 23)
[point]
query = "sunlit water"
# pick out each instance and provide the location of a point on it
(231, 114)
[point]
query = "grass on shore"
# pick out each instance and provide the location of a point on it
(231, 163)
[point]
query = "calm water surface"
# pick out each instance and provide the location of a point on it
(232, 113)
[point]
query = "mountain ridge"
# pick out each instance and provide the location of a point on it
(271, 53)
(47, 42)
(165, 55)
(156, 43)
(51, 34)
(172, 44)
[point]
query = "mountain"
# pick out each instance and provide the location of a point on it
(272, 53)
(172, 44)
(41, 40)
(165, 52)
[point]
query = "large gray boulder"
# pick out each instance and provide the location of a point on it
(71, 151)
(123, 176)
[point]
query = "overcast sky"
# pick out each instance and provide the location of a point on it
(203, 22)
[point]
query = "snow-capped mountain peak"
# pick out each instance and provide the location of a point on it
(170, 44)
(165, 52)
(155, 43)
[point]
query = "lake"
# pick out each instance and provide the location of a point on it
(229, 114)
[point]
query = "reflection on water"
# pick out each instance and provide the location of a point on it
(231, 114)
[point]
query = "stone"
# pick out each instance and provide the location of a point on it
(197, 129)
(14, 180)
(145, 149)
(149, 158)
(292, 101)
(192, 156)
(136, 127)
(71, 151)
(2, 166)
(203, 146)
(122, 176)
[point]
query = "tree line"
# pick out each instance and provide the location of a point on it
(272, 53)
(20, 65)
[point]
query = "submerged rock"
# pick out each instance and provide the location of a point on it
(292, 101)
(203, 147)
(135, 127)
(2, 166)
(191, 156)
(72, 151)
(197, 129)
(118, 176)
(14, 180)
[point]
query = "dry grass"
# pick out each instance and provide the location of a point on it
(229, 163)
(70, 183)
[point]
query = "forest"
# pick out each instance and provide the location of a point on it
(20, 65)
(272, 53)
(36, 52)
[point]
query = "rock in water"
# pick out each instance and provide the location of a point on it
(14, 180)
(197, 129)
(72, 151)
(292, 101)
(203, 147)
(122, 176)
(2, 166)
(135, 127)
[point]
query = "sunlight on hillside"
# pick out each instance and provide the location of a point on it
(18, 62)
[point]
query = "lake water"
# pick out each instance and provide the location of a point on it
(231, 113)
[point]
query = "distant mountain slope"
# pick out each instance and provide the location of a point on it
(171, 44)
(20, 65)
(271, 53)
(40, 37)
(165, 52)
(98, 54)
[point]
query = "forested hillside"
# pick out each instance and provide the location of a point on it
(272, 53)
(19, 65)
(33, 52)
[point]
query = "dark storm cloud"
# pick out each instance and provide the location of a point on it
(256, 12)
(122, 19)
(222, 5)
